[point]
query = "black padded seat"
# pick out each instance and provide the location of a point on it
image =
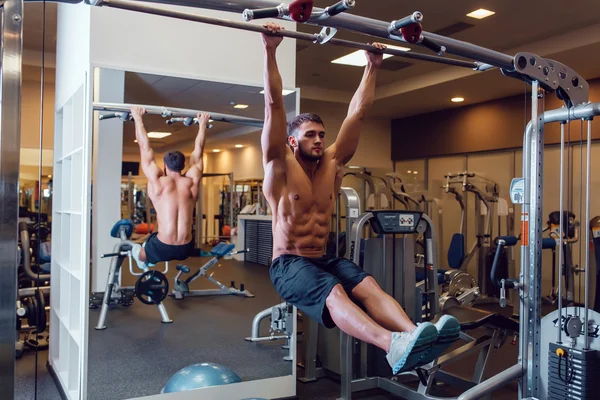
(468, 317)
(472, 318)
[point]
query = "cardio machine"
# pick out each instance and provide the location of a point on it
(151, 286)
(181, 286)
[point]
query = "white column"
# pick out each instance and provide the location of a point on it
(106, 182)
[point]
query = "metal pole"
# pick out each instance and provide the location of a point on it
(532, 311)
(238, 7)
(587, 231)
(231, 194)
(177, 112)
(10, 143)
(199, 219)
(130, 202)
(561, 240)
(337, 226)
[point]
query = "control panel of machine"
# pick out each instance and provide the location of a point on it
(390, 221)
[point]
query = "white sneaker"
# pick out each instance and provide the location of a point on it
(135, 253)
(448, 329)
(407, 349)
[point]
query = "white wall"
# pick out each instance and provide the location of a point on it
(132, 41)
(106, 175)
(245, 163)
(375, 139)
(72, 49)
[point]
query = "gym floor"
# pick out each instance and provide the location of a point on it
(136, 354)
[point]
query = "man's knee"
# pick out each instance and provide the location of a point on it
(337, 295)
(366, 288)
(143, 255)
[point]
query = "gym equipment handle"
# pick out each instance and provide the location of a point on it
(401, 23)
(504, 283)
(339, 7)
(508, 240)
(261, 13)
(110, 255)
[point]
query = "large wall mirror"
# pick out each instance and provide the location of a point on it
(137, 349)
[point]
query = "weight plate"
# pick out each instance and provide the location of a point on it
(37, 340)
(460, 282)
(152, 287)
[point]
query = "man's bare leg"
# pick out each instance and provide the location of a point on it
(352, 320)
(404, 350)
(382, 307)
(386, 311)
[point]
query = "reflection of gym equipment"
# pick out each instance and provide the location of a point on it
(595, 231)
(31, 305)
(225, 217)
(181, 287)
(151, 286)
(486, 198)
(281, 322)
(570, 235)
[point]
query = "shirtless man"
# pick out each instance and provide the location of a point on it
(173, 195)
(302, 179)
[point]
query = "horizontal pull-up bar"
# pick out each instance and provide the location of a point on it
(322, 37)
(176, 113)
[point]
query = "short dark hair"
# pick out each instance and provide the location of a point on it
(174, 160)
(298, 120)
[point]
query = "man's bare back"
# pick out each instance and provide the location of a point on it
(174, 199)
(173, 194)
(302, 179)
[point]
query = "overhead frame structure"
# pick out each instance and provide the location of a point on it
(169, 112)
(322, 38)
(527, 66)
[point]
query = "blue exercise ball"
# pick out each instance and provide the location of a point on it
(199, 376)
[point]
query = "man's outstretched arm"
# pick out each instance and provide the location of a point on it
(196, 159)
(274, 136)
(149, 167)
(347, 140)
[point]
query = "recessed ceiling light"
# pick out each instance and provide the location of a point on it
(409, 172)
(359, 59)
(457, 99)
(389, 46)
(285, 92)
(415, 172)
(353, 166)
(49, 176)
(216, 150)
(241, 106)
(210, 121)
(481, 13)
(158, 135)
(134, 140)
(239, 146)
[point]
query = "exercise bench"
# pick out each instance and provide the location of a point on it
(181, 287)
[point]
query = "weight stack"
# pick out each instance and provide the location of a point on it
(574, 375)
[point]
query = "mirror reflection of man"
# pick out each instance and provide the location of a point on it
(173, 195)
